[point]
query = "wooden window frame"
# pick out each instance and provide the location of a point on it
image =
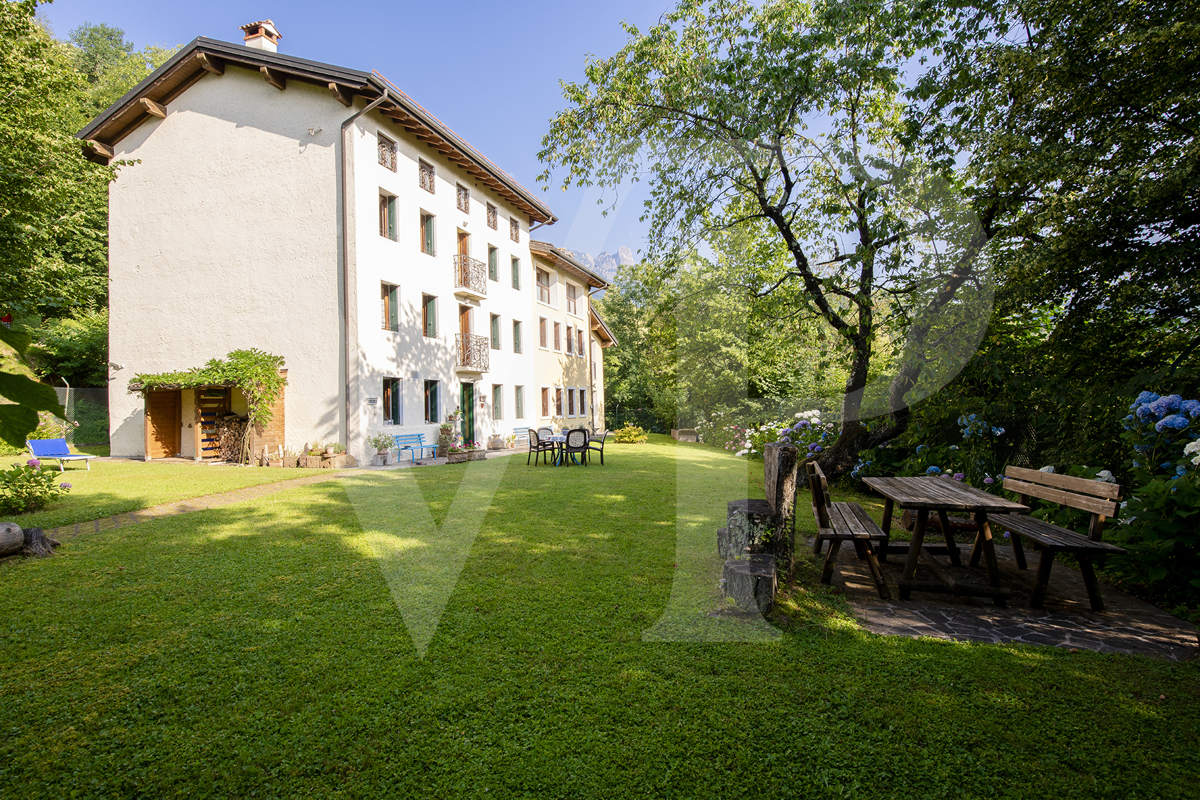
(436, 405)
(542, 334)
(572, 291)
(389, 300)
(429, 322)
(429, 233)
(393, 401)
(543, 289)
(387, 216)
(557, 336)
(545, 402)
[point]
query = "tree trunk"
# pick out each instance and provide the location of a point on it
(11, 538)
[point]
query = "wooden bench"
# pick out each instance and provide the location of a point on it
(414, 443)
(843, 522)
(1098, 498)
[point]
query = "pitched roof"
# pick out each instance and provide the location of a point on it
(202, 56)
(563, 260)
(605, 334)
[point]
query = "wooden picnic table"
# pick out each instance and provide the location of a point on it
(941, 495)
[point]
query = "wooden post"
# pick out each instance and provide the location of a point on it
(146, 423)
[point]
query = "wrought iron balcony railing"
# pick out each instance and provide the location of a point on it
(472, 352)
(470, 274)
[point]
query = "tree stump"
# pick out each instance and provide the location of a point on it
(751, 583)
(749, 526)
(31, 541)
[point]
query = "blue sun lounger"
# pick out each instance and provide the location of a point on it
(56, 449)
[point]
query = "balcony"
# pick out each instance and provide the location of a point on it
(471, 352)
(470, 277)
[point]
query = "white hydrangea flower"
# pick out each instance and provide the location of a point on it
(741, 452)
(1046, 469)
(1104, 476)
(1192, 449)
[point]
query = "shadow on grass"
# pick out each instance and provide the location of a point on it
(256, 649)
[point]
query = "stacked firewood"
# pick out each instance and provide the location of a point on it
(232, 430)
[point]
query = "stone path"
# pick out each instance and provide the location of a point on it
(189, 505)
(1127, 625)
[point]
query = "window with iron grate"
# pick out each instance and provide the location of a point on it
(492, 216)
(387, 152)
(425, 176)
(514, 229)
(464, 199)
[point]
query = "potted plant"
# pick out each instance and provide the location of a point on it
(382, 443)
(510, 441)
(475, 451)
(456, 454)
(291, 458)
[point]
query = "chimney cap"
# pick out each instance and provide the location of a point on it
(263, 27)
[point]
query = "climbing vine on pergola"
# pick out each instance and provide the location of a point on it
(254, 373)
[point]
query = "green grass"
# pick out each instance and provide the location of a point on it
(116, 487)
(262, 650)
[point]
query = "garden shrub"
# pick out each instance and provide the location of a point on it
(28, 487)
(630, 434)
(805, 430)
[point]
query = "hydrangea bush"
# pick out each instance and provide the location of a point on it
(805, 429)
(28, 487)
(973, 460)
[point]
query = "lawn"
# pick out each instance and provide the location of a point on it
(493, 629)
(116, 487)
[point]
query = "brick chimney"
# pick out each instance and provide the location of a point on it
(262, 35)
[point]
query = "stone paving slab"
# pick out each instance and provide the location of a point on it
(1127, 625)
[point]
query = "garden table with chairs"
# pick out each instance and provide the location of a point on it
(566, 446)
(941, 495)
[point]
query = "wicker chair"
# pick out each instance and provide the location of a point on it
(577, 444)
(596, 445)
(538, 447)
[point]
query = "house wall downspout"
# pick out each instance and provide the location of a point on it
(346, 261)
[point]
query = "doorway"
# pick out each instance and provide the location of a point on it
(164, 423)
(467, 404)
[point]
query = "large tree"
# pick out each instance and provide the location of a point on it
(790, 116)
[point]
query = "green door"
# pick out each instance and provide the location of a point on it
(467, 405)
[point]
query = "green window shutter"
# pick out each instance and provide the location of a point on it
(391, 218)
(516, 337)
(493, 267)
(519, 402)
(495, 332)
(497, 402)
(393, 311)
(429, 237)
(430, 317)
(516, 270)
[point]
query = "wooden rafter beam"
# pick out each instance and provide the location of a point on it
(341, 94)
(154, 109)
(214, 65)
(274, 77)
(100, 149)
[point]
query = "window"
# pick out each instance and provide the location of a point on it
(495, 331)
(428, 239)
(463, 198)
(389, 296)
(429, 315)
(516, 270)
(516, 336)
(545, 402)
(514, 229)
(571, 297)
(582, 403)
(493, 263)
(491, 216)
(387, 216)
(541, 331)
(558, 402)
(518, 402)
(391, 402)
(431, 402)
(570, 402)
(387, 152)
(570, 341)
(579, 342)
(426, 176)
(558, 336)
(543, 284)
(497, 401)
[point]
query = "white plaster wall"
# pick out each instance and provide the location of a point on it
(225, 236)
(383, 354)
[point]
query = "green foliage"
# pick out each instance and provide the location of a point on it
(1162, 535)
(380, 441)
(253, 372)
(29, 487)
(27, 396)
(110, 64)
(630, 434)
(74, 348)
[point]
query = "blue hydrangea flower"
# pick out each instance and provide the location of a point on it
(1175, 422)
(1180, 471)
(922, 449)
(953, 447)
(1192, 407)
(1165, 405)
(1167, 465)
(1144, 412)
(1143, 399)
(933, 471)
(997, 431)
(817, 448)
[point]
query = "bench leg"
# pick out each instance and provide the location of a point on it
(948, 535)
(877, 574)
(830, 558)
(1038, 599)
(1018, 550)
(976, 550)
(888, 507)
(1089, 580)
(914, 550)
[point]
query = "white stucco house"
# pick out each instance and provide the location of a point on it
(258, 188)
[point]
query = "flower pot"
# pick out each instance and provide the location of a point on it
(456, 458)
(495, 442)
(476, 455)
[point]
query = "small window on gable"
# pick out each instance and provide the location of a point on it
(387, 216)
(492, 216)
(425, 176)
(514, 229)
(387, 152)
(463, 199)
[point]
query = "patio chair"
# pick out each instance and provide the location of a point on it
(537, 448)
(595, 440)
(577, 444)
(57, 449)
(545, 431)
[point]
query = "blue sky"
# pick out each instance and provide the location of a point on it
(490, 71)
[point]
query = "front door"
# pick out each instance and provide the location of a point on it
(467, 404)
(164, 423)
(464, 243)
